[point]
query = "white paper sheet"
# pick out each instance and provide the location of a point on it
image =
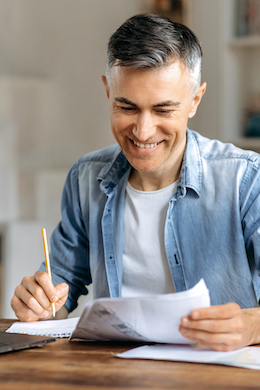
(248, 357)
(148, 319)
(53, 328)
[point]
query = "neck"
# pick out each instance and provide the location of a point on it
(149, 181)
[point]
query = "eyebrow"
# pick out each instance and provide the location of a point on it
(167, 103)
(124, 100)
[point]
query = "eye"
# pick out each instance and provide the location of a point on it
(127, 109)
(164, 112)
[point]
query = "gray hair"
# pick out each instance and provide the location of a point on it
(150, 41)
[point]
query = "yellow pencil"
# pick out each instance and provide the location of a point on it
(47, 263)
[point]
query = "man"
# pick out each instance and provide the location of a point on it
(163, 208)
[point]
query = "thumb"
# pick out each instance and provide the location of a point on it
(62, 290)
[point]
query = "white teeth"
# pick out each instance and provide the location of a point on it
(145, 146)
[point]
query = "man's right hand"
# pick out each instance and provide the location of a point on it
(32, 298)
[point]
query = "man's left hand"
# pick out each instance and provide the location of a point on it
(223, 328)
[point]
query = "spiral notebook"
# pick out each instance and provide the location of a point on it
(54, 328)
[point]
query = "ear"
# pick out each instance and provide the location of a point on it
(104, 80)
(197, 99)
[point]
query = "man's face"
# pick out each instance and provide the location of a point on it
(149, 112)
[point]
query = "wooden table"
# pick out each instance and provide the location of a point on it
(62, 365)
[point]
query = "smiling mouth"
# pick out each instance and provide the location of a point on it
(145, 146)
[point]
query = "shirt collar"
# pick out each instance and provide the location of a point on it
(191, 170)
(190, 176)
(112, 172)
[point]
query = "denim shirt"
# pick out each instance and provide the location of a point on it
(212, 227)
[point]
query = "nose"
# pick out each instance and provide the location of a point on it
(145, 127)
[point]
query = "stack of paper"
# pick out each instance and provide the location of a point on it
(149, 319)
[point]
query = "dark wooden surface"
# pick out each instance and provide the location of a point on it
(62, 365)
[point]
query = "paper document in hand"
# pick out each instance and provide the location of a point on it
(149, 319)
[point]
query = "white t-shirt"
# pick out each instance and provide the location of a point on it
(145, 266)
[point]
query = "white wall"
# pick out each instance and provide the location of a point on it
(61, 44)
(52, 56)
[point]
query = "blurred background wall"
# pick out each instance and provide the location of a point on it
(53, 107)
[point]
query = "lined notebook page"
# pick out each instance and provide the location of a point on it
(53, 328)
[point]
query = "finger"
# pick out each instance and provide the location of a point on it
(44, 281)
(231, 325)
(30, 285)
(217, 341)
(228, 310)
(62, 290)
(32, 303)
(23, 312)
